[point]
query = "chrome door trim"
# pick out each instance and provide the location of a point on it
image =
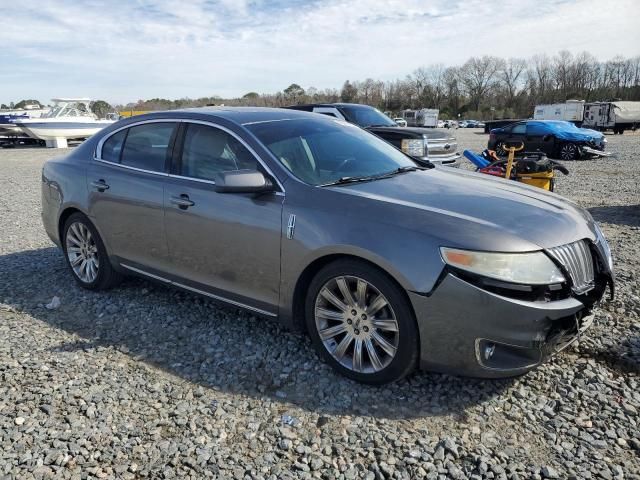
(128, 167)
(201, 292)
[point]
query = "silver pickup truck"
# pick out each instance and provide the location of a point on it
(437, 146)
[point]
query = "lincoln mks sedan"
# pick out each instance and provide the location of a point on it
(386, 264)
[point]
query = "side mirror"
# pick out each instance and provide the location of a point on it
(243, 181)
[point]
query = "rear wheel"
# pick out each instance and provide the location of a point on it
(360, 321)
(500, 150)
(568, 151)
(86, 255)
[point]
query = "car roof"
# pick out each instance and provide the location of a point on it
(239, 115)
(336, 104)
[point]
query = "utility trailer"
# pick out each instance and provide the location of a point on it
(616, 116)
(570, 111)
(425, 117)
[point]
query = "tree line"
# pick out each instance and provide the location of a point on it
(482, 88)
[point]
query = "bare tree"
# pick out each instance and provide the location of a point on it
(478, 76)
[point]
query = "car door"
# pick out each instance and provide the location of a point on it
(518, 133)
(535, 138)
(224, 244)
(126, 193)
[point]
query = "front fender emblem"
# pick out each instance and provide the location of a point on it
(291, 226)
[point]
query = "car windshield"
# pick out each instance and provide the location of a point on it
(367, 116)
(321, 151)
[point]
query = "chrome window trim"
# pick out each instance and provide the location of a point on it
(244, 144)
(201, 292)
(98, 152)
(129, 167)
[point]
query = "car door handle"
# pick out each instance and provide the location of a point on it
(182, 201)
(100, 185)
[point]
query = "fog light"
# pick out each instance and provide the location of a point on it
(488, 350)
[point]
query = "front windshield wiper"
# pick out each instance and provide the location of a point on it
(370, 178)
(382, 125)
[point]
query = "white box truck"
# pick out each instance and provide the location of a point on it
(616, 116)
(425, 117)
(570, 111)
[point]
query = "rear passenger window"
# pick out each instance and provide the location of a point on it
(113, 146)
(521, 128)
(207, 151)
(147, 146)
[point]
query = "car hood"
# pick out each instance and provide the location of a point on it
(412, 132)
(582, 135)
(475, 211)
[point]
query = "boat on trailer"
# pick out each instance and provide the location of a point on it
(68, 119)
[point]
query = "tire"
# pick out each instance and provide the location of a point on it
(387, 338)
(568, 151)
(500, 151)
(82, 245)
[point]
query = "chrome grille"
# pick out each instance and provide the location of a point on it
(577, 260)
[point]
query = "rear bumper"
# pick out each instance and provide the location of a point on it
(465, 330)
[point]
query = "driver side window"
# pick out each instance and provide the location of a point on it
(207, 151)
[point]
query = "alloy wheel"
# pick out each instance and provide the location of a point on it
(82, 252)
(500, 151)
(356, 324)
(568, 151)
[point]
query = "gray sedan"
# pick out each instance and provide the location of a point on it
(387, 265)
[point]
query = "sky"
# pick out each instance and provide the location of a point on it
(125, 50)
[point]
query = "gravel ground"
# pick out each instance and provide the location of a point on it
(149, 382)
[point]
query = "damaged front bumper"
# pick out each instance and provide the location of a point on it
(466, 330)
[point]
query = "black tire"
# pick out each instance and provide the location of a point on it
(568, 151)
(406, 355)
(106, 276)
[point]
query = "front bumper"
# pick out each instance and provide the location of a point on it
(466, 330)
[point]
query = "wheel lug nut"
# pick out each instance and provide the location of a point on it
(353, 312)
(366, 329)
(364, 317)
(349, 321)
(356, 331)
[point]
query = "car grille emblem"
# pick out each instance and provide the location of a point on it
(291, 226)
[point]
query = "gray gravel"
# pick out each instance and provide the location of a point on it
(148, 382)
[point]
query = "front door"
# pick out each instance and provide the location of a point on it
(226, 244)
(126, 193)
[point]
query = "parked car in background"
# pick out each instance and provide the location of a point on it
(440, 124)
(423, 144)
(557, 139)
(385, 264)
(400, 121)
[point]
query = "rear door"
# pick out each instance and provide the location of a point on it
(126, 193)
(226, 245)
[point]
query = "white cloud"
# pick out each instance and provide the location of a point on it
(125, 50)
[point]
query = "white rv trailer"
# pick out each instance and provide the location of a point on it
(616, 116)
(571, 111)
(425, 117)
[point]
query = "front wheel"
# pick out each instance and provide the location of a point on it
(361, 322)
(568, 151)
(86, 255)
(500, 149)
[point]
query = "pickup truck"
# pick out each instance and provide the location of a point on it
(423, 144)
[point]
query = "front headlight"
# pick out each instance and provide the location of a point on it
(416, 147)
(533, 268)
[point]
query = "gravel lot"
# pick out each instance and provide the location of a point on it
(149, 382)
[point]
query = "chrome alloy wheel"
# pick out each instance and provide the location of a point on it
(356, 324)
(82, 252)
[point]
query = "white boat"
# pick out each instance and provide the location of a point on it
(8, 118)
(69, 118)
